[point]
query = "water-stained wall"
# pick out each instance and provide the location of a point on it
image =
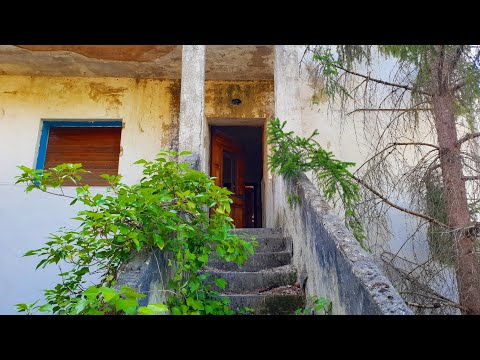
(149, 109)
(256, 99)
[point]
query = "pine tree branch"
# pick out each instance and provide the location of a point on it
(473, 230)
(397, 144)
(458, 86)
(398, 207)
(427, 291)
(467, 178)
(390, 110)
(467, 137)
(417, 144)
(438, 302)
(424, 306)
(471, 168)
(458, 54)
(406, 87)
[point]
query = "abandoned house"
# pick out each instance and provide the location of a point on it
(123, 103)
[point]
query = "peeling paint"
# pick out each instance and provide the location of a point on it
(256, 96)
(174, 91)
(140, 53)
(224, 62)
(111, 95)
(148, 107)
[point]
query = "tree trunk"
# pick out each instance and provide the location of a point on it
(456, 202)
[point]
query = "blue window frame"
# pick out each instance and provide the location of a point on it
(48, 124)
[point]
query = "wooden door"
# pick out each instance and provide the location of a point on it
(228, 168)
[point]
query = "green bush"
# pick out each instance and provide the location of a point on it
(172, 208)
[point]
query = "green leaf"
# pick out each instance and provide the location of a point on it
(198, 305)
(81, 305)
(158, 241)
(144, 310)
(221, 283)
(176, 310)
(108, 293)
(42, 263)
(91, 292)
(194, 286)
(124, 230)
(220, 251)
(82, 271)
(30, 253)
(46, 308)
(203, 258)
(95, 312)
(22, 307)
(129, 306)
(137, 244)
(158, 308)
(133, 294)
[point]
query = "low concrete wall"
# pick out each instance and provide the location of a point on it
(148, 273)
(330, 262)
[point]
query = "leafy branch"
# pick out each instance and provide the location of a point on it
(172, 208)
(293, 155)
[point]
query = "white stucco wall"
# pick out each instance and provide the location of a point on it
(348, 140)
(149, 108)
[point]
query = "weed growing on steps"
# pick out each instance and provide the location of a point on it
(315, 304)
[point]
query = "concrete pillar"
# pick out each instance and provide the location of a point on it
(286, 86)
(287, 108)
(192, 103)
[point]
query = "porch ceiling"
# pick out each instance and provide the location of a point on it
(223, 62)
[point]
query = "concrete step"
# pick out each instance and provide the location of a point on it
(271, 245)
(268, 304)
(267, 240)
(258, 261)
(244, 282)
(265, 282)
(259, 232)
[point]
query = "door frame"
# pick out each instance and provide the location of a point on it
(242, 122)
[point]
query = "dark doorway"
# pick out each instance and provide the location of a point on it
(236, 160)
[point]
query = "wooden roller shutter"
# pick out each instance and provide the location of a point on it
(97, 148)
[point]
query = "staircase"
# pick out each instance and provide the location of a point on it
(266, 281)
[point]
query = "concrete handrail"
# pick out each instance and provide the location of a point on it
(330, 261)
